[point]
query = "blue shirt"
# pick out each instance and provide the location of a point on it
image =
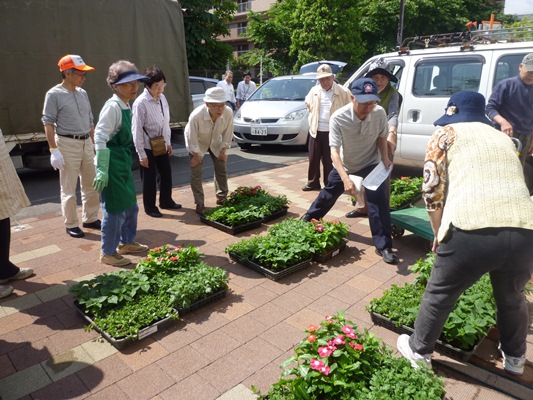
(513, 100)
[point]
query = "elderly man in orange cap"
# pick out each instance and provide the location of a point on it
(69, 127)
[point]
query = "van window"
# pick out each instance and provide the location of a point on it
(438, 77)
(507, 67)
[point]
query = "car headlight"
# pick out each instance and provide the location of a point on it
(237, 115)
(296, 115)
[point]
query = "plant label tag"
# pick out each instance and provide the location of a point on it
(147, 331)
(335, 253)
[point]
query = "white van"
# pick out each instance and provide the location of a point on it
(427, 77)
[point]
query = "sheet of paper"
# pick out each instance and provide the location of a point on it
(357, 181)
(376, 177)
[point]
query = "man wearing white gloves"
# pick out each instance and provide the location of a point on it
(69, 127)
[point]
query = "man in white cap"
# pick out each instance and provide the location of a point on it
(210, 130)
(322, 101)
(510, 108)
(69, 127)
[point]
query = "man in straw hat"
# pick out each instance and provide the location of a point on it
(322, 101)
(209, 130)
(482, 219)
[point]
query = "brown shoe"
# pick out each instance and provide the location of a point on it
(200, 209)
(220, 202)
(131, 248)
(115, 260)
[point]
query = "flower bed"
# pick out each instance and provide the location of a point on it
(405, 191)
(129, 305)
(336, 361)
(288, 243)
(246, 205)
(472, 317)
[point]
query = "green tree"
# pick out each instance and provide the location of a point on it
(204, 21)
(294, 32)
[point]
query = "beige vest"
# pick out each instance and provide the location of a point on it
(486, 186)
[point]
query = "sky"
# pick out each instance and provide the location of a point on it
(519, 7)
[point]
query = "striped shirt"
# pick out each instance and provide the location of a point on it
(150, 119)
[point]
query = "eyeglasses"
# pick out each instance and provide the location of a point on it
(159, 86)
(217, 106)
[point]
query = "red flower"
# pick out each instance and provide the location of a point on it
(320, 228)
(356, 346)
(312, 328)
(311, 338)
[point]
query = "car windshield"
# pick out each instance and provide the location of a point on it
(283, 90)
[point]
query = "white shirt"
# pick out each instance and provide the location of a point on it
(228, 89)
(245, 90)
(325, 107)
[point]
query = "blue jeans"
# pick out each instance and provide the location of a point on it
(378, 206)
(118, 228)
(507, 255)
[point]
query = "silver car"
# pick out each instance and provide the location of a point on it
(275, 113)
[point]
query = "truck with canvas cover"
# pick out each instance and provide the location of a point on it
(36, 34)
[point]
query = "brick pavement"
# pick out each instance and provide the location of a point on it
(221, 350)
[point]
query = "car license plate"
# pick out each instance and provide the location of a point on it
(259, 130)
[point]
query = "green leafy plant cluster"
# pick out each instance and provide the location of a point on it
(336, 361)
(123, 302)
(404, 191)
(290, 242)
(471, 318)
(246, 204)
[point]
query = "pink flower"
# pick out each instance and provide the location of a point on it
(316, 364)
(338, 340)
(325, 370)
(325, 351)
(320, 228)
(335, 222)
(349, 332)
(312, 328)
(173, 258)
(356, 346)
(314, 221)
(148, 258)
(329, 318)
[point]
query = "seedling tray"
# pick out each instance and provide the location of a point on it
(440, 346)
(323, 257)
(274, 275)
(277, 214)
(120, 343)
(232, 230)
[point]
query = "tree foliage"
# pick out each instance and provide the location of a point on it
(204, 21)
(294, 32)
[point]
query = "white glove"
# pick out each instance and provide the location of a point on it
(56, 159)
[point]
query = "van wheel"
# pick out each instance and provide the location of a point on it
(245, 146)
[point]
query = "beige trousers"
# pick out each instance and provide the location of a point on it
(221, 180)
(79, 162)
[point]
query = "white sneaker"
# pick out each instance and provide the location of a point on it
(417, 360)
(513, 365)
(5, 291)
(22, 274)
(131, 248)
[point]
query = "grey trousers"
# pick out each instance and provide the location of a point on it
(507, 255)
(221, 180)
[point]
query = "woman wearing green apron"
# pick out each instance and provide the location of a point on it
(113, 144)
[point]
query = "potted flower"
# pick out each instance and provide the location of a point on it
(246, 208)
(405, 191)
(470, 320)
(329, 239)
(336, 361)
(129, 305)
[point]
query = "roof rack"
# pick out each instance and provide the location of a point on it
(467, 39)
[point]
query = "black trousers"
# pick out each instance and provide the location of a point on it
(319, 150)
(7, 268)
(158, 172)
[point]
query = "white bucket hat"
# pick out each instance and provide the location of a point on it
(215, 95)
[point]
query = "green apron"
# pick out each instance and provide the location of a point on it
(119, 194)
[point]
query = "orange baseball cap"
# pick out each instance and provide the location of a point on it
(73, 61)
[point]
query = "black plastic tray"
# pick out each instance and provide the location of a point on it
(202, 302)
(232, 230)
(323, 257)
(274, 215)
(440, 346)
(274, 275)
